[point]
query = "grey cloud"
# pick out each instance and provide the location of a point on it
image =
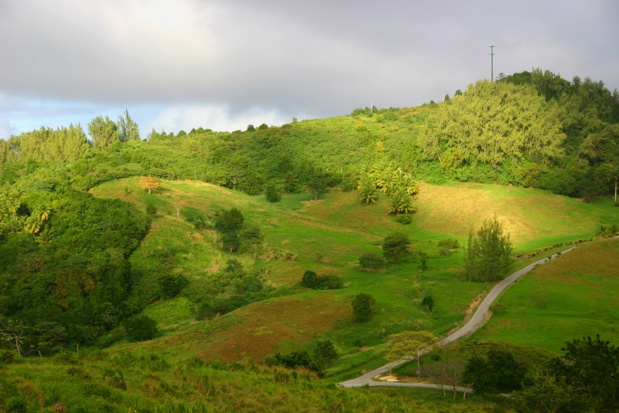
(319, 57)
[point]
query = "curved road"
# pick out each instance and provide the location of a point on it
(473, 324)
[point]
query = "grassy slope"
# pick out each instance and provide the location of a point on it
(328, 236)
(98, 382)
(569, 298)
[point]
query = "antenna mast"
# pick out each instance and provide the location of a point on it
(492, 63)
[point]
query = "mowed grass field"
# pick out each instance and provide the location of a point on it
(571, 297)
(328, 236)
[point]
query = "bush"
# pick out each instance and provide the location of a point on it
(330, 282)
(141, 327)
(451, 244)
(404, 219)
(272, 195)
(428, 303)
(371, 261)
(310, 279)
(325, 282)
(396, 247)
(363, 307)
(6, 357)
(151, 209)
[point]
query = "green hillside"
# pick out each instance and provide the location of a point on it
(229, 257)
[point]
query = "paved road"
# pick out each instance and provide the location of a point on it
(476, 321)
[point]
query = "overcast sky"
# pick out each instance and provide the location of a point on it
(223, 64)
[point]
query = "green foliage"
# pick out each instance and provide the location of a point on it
(151, 210)
(141, 327)
(607, 231)
(404, 219)
(590, 370)
(310, 279)
(488, 252)
(363, 307)
(499, 372)
(428, 303)
(410, 343)
(396, 247)
(103, 132)
(294, 360)
(452, 244)
(272, 195)
(127, 128)
(323, 282)
(229, 221)
(325, 353)
(371, 261)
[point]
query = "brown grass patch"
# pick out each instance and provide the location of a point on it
(600, 258)
(257, 330)
(524, 215)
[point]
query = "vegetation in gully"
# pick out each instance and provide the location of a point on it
(253, 270)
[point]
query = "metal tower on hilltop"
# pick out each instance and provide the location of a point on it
(492, 63)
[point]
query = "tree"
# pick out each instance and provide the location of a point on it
(499, 372)
(428, 303)
(367, 190)
(410, 344)
(272, 195)
(605, 176)
(150, 183)
(318, 182)
(590, 369)
(325, 353)
(396, 247)
(448, 371)
(371, 261)
(229, 220)
(363, 307)
(310, 279)
(127, 129)
(487, 256)
(141, 327)
(103, 132)
(401, 203)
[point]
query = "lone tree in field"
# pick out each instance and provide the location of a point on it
(396, 247)
(363, 307)
(487, 253)
(410, 344)
(150, 183)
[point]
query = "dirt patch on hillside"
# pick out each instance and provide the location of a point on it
(261, 327)
(600, 258)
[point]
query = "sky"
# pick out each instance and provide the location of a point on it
(224, 64)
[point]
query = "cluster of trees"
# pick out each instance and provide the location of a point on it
(318, 361)
(65, 276)
(321, 282)
(387, 178)
(532, 129)
(487, 255)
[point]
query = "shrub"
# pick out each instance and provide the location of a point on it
(325, 282)
(363, 307)
(428, 303)
(330, 282)
(396, 247)
(310, 279)
(151, 209)
(141, 327)
(272, 195)
(6, 357)
(451, 244)
(404, 219)
(371, 261)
